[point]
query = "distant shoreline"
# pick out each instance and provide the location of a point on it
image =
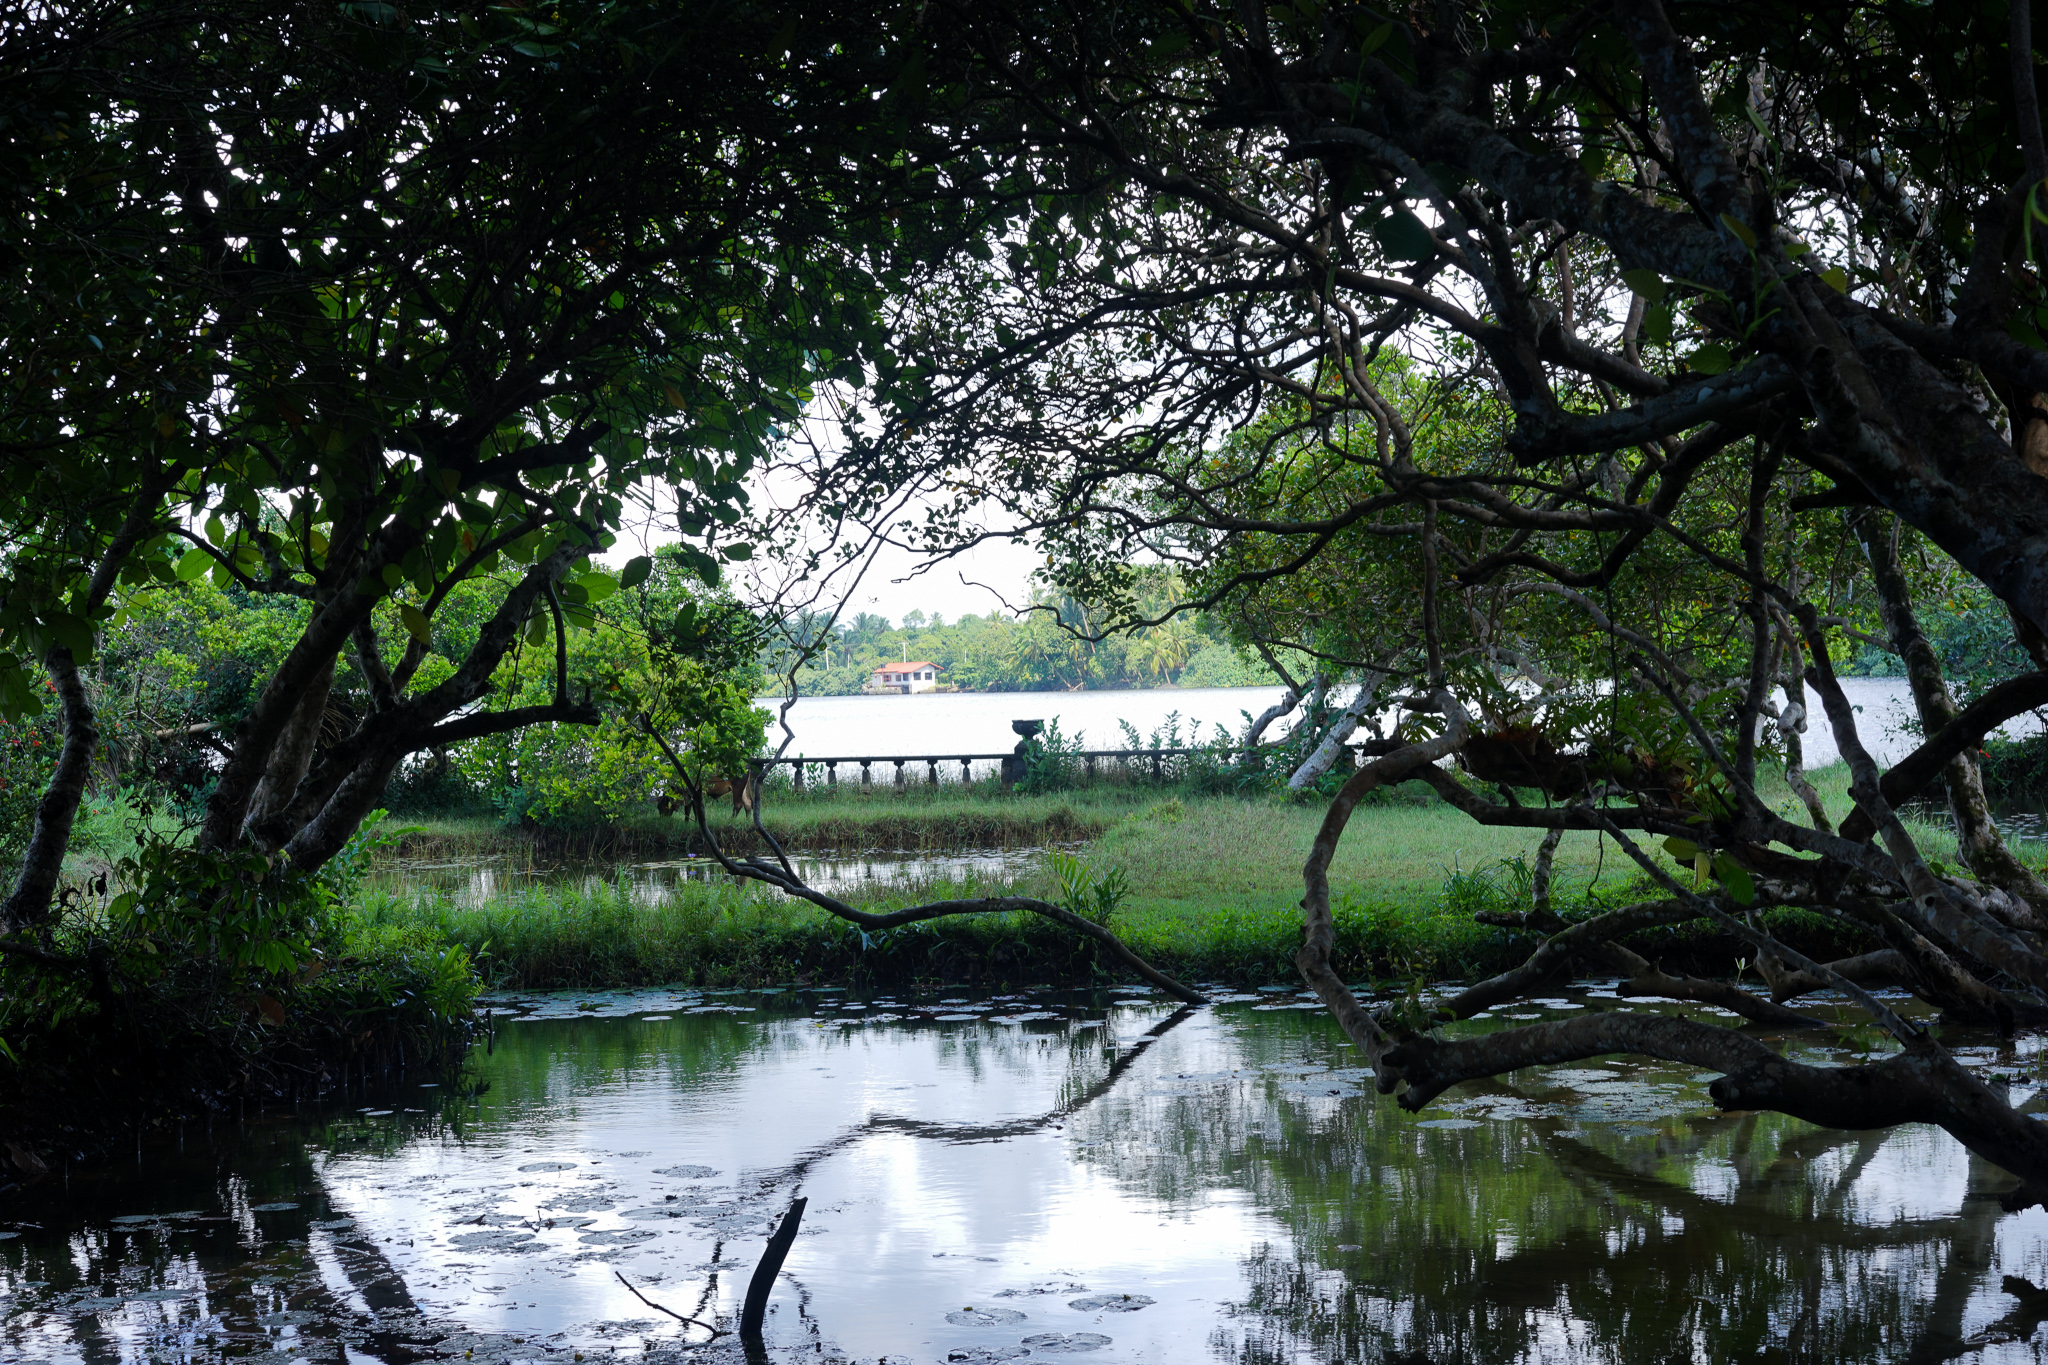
(1022, 692)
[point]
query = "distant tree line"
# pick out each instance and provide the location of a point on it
(1056, 646)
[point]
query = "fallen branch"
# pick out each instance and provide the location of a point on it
(661, 1308)
(1724, 994)
(1884, 967)
(759, 1287)
(1921, 1085)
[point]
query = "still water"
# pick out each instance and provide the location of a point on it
(478, 881)
(1021, 1178)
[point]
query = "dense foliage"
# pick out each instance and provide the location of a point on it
(1601, 380)
(380, 323)
(1057, 649)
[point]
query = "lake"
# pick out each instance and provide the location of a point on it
(939, 723)
(1021, 1178)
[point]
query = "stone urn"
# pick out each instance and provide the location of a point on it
(1018, 765)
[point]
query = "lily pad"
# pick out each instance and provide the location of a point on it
(1112, 1303)
(278, 1206)
(984, 1317)
(1448, 1123)
(980, 1356)
(1067, 1343)
(688, 1172)
(618, 1237)
(130, 1219)
(494, 1240)
(582, 1203)
(532, 1166)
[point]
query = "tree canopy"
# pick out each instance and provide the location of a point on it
(362, 307)
(1602, 375)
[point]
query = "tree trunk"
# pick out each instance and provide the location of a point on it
(1791, 723)
(327, 833)
(1976, 832)
(291, 757)
(36, 884)
(1289, 699)
(1339, 733)
(325, 636)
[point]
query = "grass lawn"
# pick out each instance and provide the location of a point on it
(1214, 888)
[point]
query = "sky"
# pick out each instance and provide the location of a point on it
(978, 581)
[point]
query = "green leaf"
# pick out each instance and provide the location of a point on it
(598, 586)
(1685, 850)
(1735, 878)
(1657, 325)
(1648, 283)
(1739, 230)
(537, 630)
(75, 633)
(1403, 237)
(636, 571)
(736, 552)
(1712, 358)
(393, 576)
(194, 563)
(1835, 278)
(416, 624)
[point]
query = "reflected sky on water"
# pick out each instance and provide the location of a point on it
(473, 882)
(1217, 1185)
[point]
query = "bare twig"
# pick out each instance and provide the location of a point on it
(660, 1308)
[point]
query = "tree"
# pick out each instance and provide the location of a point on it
(668, 656)
(371, 309)
(1736, 309)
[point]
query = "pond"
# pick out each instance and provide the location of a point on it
(471, 882)
(1024, 1177)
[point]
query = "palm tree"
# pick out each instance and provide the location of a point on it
(1164, 649)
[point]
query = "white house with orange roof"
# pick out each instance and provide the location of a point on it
(914, 675)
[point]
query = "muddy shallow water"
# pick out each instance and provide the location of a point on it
(1020, 1178)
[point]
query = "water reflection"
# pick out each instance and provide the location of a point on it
(985, 1173)
(472, 882)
